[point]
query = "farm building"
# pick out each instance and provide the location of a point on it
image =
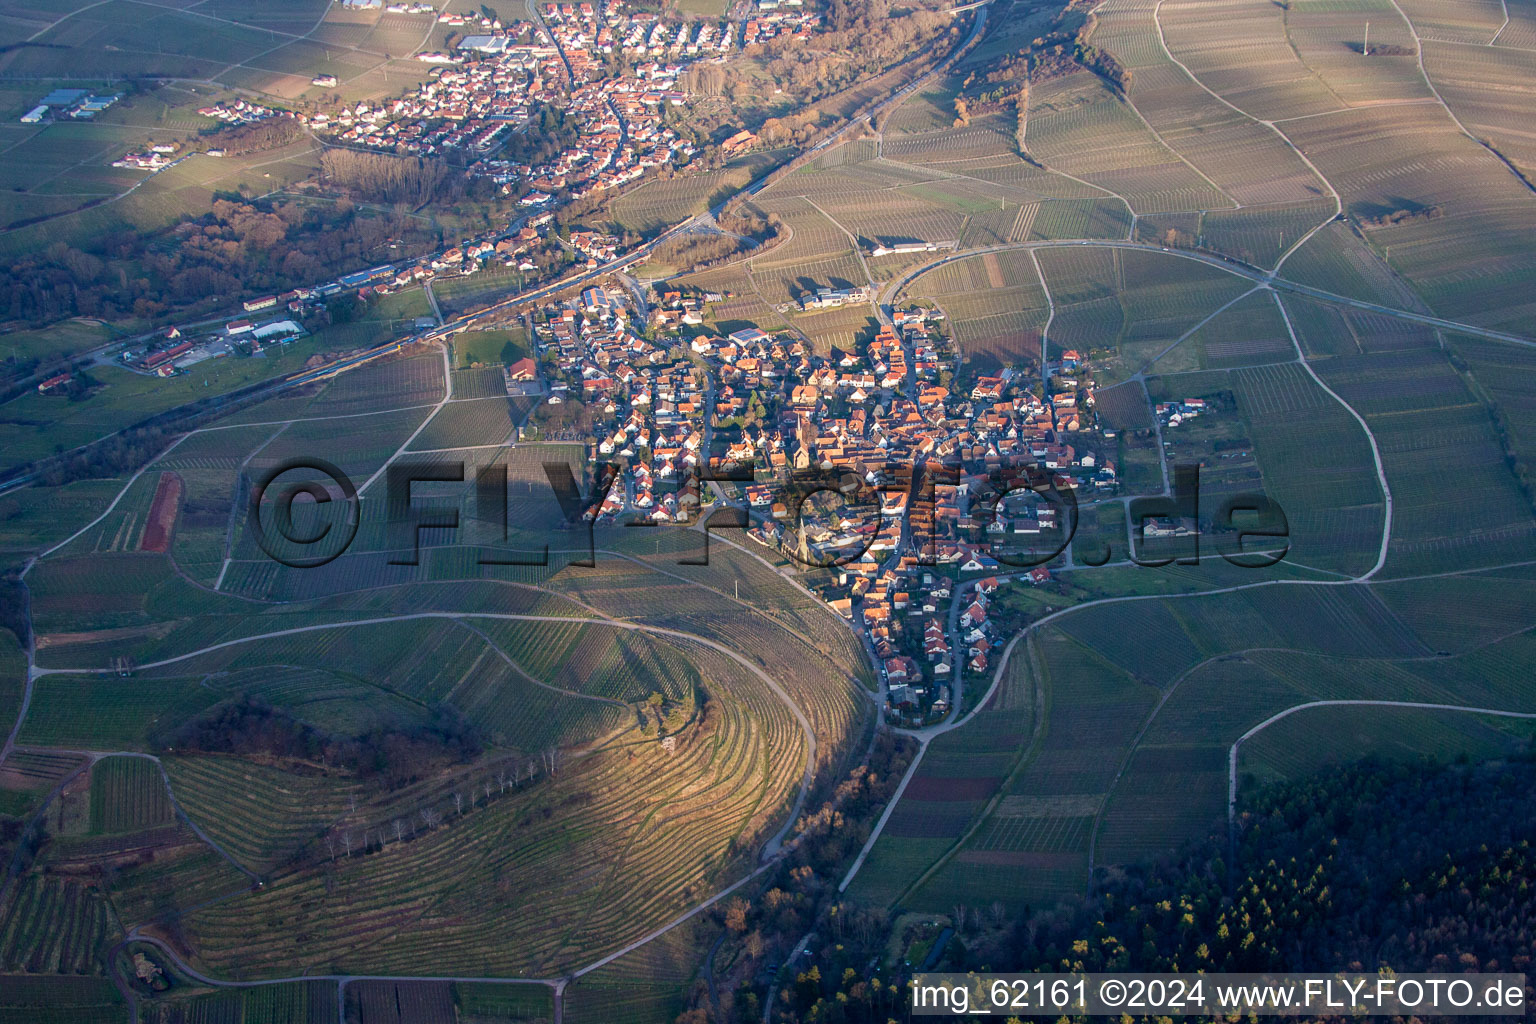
(92, 106)
(277, 329)
(63, 97)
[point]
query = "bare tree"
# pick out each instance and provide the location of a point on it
(399, 831)
(458, 802)
(501, 778)
(346, 840)
(330, 845)
(430, 816)
(998, 910)
(487, 789)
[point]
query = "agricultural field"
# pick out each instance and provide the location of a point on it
(490, 348)
(1132, 759)
(1077, 125)
(1400, 393)
(504, 1004)
(60, 999)
(494, 281)
(503, 842)
(995, 304)
(310, 1002)
(493, 743)
(1143, 305)
(1317, 739)
(34, 426)
(526, 687)
(128, 794)
(948, 799)
(154, 202)
(61, 339)
(1456, 234)
(641, 986)
(1490, 90)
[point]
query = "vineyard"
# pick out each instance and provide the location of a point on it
(53, 926)
(504, 1004)
(1423, 415)
(261, 815)
(127, 794)
(467, 423)
(1460, 240)
(312, 1002)
(1139, 303)
(956, 778)
(640, 831)
(401, 1002)
(55, 999)
(459, 766)
(642, 986)
(1079, 126)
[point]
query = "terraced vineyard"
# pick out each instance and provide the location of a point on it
(261, 815)
(421, 766)
(621, 856)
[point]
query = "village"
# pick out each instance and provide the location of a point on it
(610, 71)
(953, 478)
(913, 552)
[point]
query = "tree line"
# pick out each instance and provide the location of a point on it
(392, 757)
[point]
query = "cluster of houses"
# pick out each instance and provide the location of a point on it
(171, 352)
(238, 112)
(774, 18)
(157, 156)
(1171, 414)
(914, 569)
(917, 683)
(497, 80)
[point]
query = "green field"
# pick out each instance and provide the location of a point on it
(429, 759)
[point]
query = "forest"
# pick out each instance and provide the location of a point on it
(237, 249)
(1413, 866)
